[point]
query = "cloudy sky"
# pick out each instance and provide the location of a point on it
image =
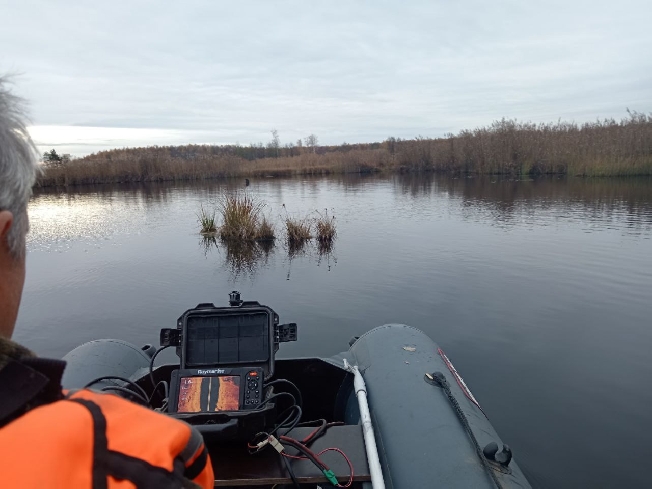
(119, 73)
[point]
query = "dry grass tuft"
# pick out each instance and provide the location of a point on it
(325, 225)
(265, 231)
(207, 222)
(240, 214)
(298, 229)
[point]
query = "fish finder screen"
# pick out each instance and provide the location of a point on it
(209, 394)
(227, 339)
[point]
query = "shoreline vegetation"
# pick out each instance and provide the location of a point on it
(506, 147)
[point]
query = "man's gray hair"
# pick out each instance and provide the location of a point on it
(18, 167)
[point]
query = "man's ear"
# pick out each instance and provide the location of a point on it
(6, 220)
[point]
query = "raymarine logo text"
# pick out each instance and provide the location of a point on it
(213, 371)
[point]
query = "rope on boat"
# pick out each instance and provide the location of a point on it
(439, 379)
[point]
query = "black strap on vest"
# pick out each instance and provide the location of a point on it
(28, 383)
(100, 444)
(124, 467)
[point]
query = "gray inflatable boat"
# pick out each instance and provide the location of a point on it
(425, 429)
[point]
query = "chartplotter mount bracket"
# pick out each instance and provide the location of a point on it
(244, 334)
(226, 354)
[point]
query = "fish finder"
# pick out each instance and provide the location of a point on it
(216, 389)
(226, 354)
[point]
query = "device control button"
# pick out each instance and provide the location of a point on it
(253, 373)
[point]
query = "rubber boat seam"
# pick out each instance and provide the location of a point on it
(384, 326)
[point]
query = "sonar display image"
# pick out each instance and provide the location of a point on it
(207, 394)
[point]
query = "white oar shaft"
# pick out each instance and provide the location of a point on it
(377, 481)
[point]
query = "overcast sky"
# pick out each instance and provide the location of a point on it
(118, 73)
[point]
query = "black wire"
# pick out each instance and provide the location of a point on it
(275, 396)
(141, 391)
(165, 390)
(295, 421)
(290, 471)
(294, 406)
(321, 432)
(151, 364)
(126, 391)
(285, 381)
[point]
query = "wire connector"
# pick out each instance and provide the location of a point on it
(275, 443)
(331, 477)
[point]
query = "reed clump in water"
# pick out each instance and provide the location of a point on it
(207, 222)
(266, 231)
(242, 219)
(298, 229)
(325, 226)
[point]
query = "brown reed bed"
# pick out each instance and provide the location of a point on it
(602, 148)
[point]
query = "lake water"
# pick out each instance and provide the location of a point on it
(539, 291)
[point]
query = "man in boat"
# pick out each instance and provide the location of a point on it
(51, 438)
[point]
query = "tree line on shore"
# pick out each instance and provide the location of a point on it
(602, 148)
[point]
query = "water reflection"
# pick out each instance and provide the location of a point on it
(239, 258)
(627, 202)
(326, 253)
(246, 259)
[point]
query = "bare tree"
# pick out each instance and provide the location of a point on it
(311, 142)
(275, 143)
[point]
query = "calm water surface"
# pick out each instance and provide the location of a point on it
(539, 291)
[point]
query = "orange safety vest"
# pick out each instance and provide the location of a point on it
(101, 441)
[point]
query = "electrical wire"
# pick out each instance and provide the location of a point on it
(291, 420)
(331, 449)
(319, 431)
(291, 472)
(141, 391)
(151, 364)
(348, 461)
(314, 457)
(276, 396)
(165, 391)
(285, 381)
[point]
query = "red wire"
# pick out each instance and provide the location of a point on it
(348, 484)
(316, 455)
(307, 438)
(331, 449)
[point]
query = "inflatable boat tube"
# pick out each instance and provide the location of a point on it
(100, 358)
(421, 435)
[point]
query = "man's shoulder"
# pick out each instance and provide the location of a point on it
(10, 350)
